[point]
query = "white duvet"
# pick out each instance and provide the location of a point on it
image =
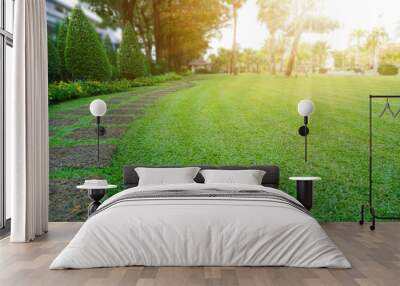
(193, 231)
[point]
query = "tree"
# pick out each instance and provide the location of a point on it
(221, 62)
(375, 40)
(340, 60)
(117, 13)
(274, 13)
(177, 30)
(304, 58)
(310, 24)
(61, 39)
(236, 5)
(132, 62)
(390, 54)
(320, 54)
(53, 61)
(111, 55)
(248, 59)
(357, 36)
(259, 61)
(85, 55)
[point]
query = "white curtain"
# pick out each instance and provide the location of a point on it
(27, 159)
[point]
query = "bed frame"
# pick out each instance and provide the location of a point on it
(270, 179)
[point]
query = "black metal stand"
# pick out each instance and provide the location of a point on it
(98, 138)
(303, 131)
(370, 199)
(305, 193)
(95, 195)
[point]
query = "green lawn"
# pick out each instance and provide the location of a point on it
(253, 119)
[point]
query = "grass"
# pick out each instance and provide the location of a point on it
(253, 119)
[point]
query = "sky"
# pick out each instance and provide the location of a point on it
(351, 14)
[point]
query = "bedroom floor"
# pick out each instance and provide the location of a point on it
(375, 257)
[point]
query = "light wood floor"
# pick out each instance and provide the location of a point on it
(375, 257)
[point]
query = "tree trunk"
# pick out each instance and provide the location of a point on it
(358, 55)
(148, 36)
(272, 59)
(157, 32)
(282, 63)
(128, 6)
(293, 55)
(376, 59)
(146, 41)
(234, 56)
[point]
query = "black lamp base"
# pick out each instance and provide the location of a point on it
(95, 195)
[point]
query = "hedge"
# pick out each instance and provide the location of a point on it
(388, 69)
(63, 91)
(85, 55)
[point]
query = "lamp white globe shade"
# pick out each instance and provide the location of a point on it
(305, 107)
(98, 107)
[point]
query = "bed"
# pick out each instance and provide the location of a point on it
(198, 224)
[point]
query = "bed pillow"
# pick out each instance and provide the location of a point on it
(248, 177)
(166, 176)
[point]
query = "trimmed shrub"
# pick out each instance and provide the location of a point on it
(53, 61)
(322, 70)
(112, 56)
(388, 69)
(132, 62)
(159, 67)
(63, 91)
(61, 39)
(85, 55)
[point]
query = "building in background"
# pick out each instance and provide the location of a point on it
(199, 65)
(58, 10)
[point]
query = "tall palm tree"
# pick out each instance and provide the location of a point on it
(310, 24)
(358, 35)
(236, 5)
(274, 13)
(374, 42)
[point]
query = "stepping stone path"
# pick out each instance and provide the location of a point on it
(80, 156)
(90, 133)
(61, 121)
(81, 111)
(66, 202)
(126, 111)
(117, 119)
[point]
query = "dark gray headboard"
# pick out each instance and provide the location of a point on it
(271, 177)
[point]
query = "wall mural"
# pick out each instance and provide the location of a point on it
(218, 82)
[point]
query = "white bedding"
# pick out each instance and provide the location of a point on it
(200, 231)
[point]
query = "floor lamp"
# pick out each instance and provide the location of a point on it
(98, 108)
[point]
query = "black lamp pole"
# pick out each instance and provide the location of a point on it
(303, 131)
(305, 138)
(98, 139)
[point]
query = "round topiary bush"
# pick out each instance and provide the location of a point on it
(85, 55)
(388, 69)
(132, 62)
(53, 61)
